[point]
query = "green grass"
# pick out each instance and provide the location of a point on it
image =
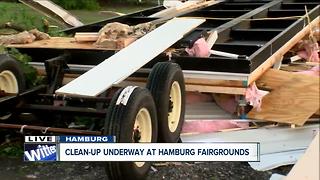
(28, 18)
(87, 16)
(92, 16)
(14, 149)
(21, 15)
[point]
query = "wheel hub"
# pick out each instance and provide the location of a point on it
(8, 82)
(142, 129)
(174, 107)
(136, 135)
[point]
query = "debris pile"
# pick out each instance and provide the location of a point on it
(115, 35)
(280, 110)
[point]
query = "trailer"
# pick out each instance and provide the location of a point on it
(138, 93)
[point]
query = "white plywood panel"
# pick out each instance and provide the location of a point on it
(130, 59)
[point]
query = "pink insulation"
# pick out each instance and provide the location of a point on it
(199, 49)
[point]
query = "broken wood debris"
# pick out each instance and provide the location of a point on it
(39, 35)
(294, 97)
(115, 35)
(24, 37)
(20, 38)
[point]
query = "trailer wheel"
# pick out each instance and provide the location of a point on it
(12, 78)
(166, 84)
(132, 118)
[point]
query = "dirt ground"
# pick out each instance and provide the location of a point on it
(15, 168)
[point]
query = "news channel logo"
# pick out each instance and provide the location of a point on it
(40, 148)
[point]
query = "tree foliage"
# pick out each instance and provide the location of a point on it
(78, 4)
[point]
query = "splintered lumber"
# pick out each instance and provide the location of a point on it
(71, 43)
(116, 44)
(58, 43)
(20, 38)
(92, 37)
(294, 98)
(308, 165)
(130, 59)
(282, 51)
(273, 79)
(24, 37)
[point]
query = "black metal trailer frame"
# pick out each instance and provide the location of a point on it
(253, 29)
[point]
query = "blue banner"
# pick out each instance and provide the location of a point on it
(40, 152)
(86, 139)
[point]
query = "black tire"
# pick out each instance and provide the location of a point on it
(160, 81)
(10, 64)
(120, 123)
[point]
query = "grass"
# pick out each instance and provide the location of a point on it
(21, 15)
(92, 16)
(28, 18)
(13, 148)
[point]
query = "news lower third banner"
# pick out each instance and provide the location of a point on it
(103, 148)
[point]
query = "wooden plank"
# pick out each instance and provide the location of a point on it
(58, 43)
(86, 36)
(215, 82)
(307, 166)
(71, 43)
(296, 67)
(172, 11)
(294, 102)
(212, 38)
(273, 79)
(216, 89)
(173, 7)
(281, 52)
(186, 8)
(190, 86)
(122, 64)
(193, 81)
(116, 44)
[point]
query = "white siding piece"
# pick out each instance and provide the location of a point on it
(130, 59)
(274, 160)
(278, 145)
